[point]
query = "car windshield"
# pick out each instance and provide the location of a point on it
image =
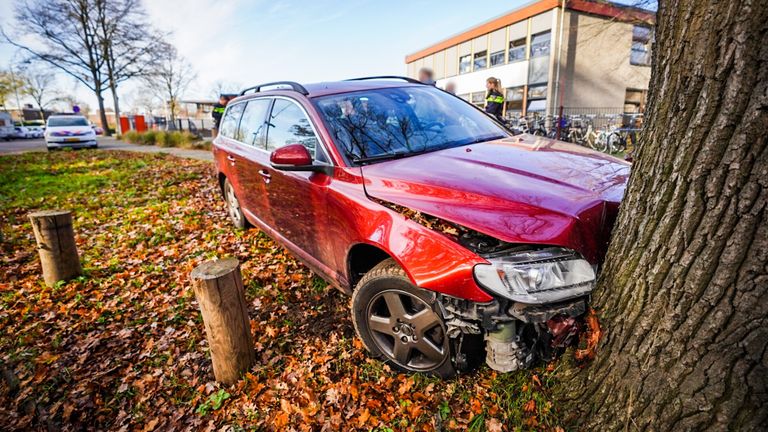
(67, 121)
(387, 123)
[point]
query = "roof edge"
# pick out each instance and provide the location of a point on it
(512, 17)
(619, 12)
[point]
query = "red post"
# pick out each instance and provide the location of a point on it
(125, 125)
(141, 126)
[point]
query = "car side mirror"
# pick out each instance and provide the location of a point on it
(296, 157)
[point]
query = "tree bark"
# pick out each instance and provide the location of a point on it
(56, 245)
(682, 298)
(219, 289)
(118, 126)
(102, 114)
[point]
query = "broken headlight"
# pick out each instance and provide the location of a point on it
(537, 276)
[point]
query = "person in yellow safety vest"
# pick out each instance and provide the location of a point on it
(494, 99)
(218, 113)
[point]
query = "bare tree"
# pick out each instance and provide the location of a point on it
(9, 84)
(129, 44)
(38, 84)
(224, 87)
(683, 294)
(64, 34)
(170, 79)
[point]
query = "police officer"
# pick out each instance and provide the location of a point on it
(426, 76)
(218, 113)
(494, 99)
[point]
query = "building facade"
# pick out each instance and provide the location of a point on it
(578, 54)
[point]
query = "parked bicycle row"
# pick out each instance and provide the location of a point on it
(610, 133)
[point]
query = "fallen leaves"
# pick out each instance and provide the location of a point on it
(124, 346)
(591, 337)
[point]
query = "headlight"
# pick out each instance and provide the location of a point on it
(537, 276)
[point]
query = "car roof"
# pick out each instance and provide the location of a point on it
(321, 89)
(336, 87)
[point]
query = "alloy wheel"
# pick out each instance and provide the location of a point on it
(407, 330)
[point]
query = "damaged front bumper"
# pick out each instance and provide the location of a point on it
(515, 334)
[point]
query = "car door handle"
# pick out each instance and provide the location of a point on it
(267, 176)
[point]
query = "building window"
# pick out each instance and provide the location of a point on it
(481, 60)
(517, 50)
(464, 96)
(540, 44)
(641, 46)
(634, 100)
(515, 100)
(497, 58)
(465, 62)
(478, 99)
(537, 96)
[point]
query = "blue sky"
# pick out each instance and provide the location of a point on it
(248, 42)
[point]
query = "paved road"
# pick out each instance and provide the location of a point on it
(105, 143)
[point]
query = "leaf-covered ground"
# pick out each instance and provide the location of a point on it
(123, 347)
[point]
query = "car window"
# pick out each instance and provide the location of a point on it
(252, 126)
(399, 121)
(231, 118)
(289, 125)
(67, 121)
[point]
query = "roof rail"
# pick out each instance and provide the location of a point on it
(293, 85)
(410, 80)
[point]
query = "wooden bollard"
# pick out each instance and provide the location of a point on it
(219, 289)
(56, 245)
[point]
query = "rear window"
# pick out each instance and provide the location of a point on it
(231, 120)
(67, 121)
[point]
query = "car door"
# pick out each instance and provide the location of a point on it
(297, 198)
(253, 159)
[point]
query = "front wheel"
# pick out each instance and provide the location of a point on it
(400, 323)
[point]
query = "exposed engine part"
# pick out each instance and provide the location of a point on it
(542, 313)
(505, 352)
(564, 331)
(516, 335)
(457, 327)
(484, 316)
(480, 243)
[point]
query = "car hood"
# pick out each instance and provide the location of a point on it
(523, 189)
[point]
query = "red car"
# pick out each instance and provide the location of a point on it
(456, 239)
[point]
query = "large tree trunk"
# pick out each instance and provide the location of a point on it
(683, 296)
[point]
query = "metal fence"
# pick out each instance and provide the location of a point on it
(198, 127)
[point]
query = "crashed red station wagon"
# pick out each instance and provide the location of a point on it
(457, 240)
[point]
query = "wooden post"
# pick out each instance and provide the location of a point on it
(219, 289)
(56, 245)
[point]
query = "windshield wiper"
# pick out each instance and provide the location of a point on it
(479, 140)
(385, 156)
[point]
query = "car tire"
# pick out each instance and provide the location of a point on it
(400, 323)
(234, 210)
